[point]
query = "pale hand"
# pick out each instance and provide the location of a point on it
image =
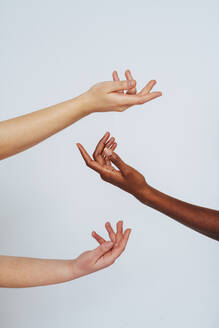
(105, 254)
(111, 96)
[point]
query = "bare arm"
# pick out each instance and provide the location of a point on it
(21, 133)
(17, 272)
(201, 219)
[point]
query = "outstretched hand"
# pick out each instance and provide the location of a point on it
(124, 177)
(105, 254)
(111, 96)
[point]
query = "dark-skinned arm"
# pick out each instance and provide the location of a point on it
(201, 219)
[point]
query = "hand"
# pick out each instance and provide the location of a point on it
(110, 96)
(126, 177)
(105, 254)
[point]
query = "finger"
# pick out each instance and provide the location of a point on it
(150, 96)
(116, 160)
(115, 76)
(119, 232)
(106, 158)
(114, 145)
(148, 87)
(131, 100)
(100, 146)
(102, 249)
(117, 251)
(129, 77)
(110, 143)
(84, 154)
(107, 162)
(98, 238)
(120, 85)
(110, 231)
(89, 162)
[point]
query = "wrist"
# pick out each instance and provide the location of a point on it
(144, 194)
(73, 269)
(86, 102)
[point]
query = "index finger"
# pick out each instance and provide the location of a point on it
(84, 154)
(88, 160)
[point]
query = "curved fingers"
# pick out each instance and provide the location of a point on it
(89, 162)
(117, 251)
(100, 146)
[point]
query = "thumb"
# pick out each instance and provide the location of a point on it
(122, 85)
(115, 159)
(102, 249)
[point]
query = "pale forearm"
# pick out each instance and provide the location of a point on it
(23, 132)
(20, 272)
(201, 219)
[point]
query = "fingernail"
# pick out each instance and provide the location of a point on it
(108, 151)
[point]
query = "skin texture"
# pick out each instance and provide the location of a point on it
(21, 133)
(201, 219)
(20, 272)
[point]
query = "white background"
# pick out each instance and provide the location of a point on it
(50, 201)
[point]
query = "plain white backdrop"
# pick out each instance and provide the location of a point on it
(50, 201)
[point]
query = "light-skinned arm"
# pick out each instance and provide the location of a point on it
(20, 272)
(201, 219)
(23, 132)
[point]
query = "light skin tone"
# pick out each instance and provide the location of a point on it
(21, 133)
(114, 170)
(20, 272)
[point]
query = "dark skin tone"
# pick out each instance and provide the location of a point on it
(201, 219)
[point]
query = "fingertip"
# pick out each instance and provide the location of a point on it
(93, 233)
(107, 134)
(127, 233)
